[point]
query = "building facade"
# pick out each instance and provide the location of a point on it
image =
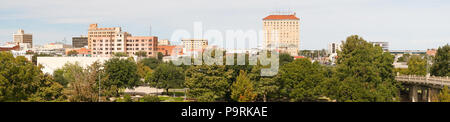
(95, 32)
(21, 37)
(194, 44)
(104, 42)
(79, 41)
(333, 48)
(282, 32)
(163, 42)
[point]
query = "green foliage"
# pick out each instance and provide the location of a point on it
(404, 58)
(208, 83)
(67, 73)
(141, 54)
(150, 62)
(120, 54)
(417, 66)
(285, 58)
(151, 98)
(363, 73)
(242, 90)
(444, 95)
(20, 80)
(122, 73)
(166, 76)
(441, 62)
(48, 91)
(83, 83)
(160, 56)
(126, 98)
(301, 80)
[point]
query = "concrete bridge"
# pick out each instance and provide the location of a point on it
(422, 88)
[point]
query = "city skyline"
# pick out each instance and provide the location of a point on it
(404, 24)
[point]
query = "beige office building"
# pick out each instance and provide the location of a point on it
(96, 32)
(104, 42)
(282, 32)
(21, 37)
(163, 42)
(194, 44)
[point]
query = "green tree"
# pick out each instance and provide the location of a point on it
(150, 62)
(122, 73)
(444, 95)
(48, 91)
(363, 73)
(242, 90)
(301, 80)
(65, 74)
(285, 58)
(160, 56)
(417, 66)
(441, 62)
(20, 80)
(83, 83)
(208, 83)
(120, 54)
(141, 54)
(166, 76)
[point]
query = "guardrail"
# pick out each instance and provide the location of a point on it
(442, 81)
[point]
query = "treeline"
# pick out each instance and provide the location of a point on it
(364, 73)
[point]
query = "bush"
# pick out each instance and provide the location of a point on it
(151, 98)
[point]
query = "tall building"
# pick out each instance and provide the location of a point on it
(383, 45)
(79, 41)
(104, 42)
(282, 32)
(21, 37)
(94, 31)
(194, 44)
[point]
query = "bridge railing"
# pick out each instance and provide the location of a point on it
(424, 79)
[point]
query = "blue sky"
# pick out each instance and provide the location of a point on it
(405, 24)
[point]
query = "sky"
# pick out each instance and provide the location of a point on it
(405, 24)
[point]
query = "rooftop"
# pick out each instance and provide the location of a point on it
(278, 17)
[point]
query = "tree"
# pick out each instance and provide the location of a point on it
(242, 90)
(150, 62)
(20, 80)
(417, 66)
(266, 86)
(120, 54)
(67, 73)
(122, 73)
(141, 54)
(444, 95)
(285, 58)
(72, 53)
(83, 83)
(208, 83)
(48, 91)
(144, 71)
(160, 56)
(363, 73)
(441, 62)
(166, 76)
(301, 80)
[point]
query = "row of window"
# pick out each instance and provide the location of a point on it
(118, 40)
(112, 53)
